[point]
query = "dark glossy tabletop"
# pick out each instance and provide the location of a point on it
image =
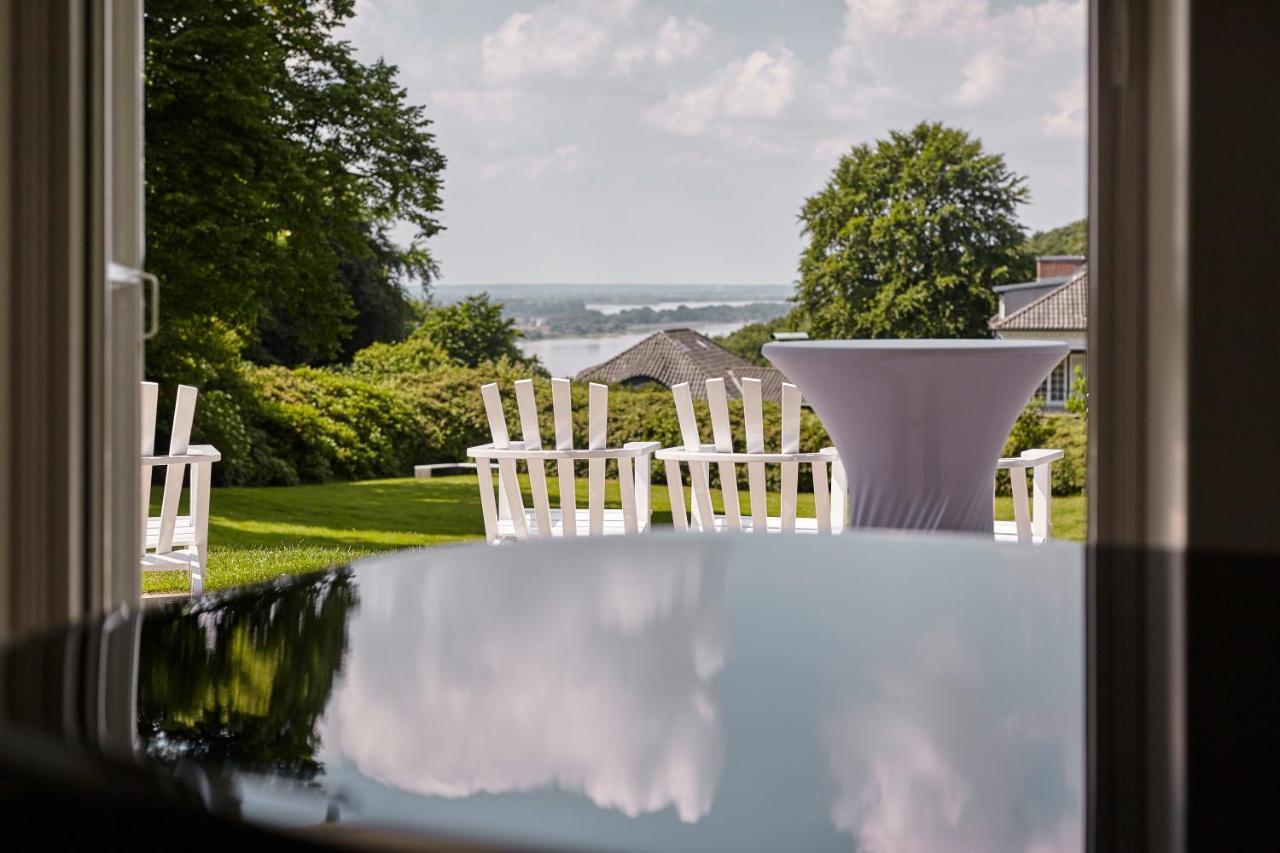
(695, 693)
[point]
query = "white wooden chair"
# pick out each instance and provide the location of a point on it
(1030, 523)
(830, 506)
(172, 542)
(505, 516)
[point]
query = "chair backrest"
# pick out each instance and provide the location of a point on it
(179, 440)
(510, 504)
(827, 514)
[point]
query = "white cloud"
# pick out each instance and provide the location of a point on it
(562, 160)
(687, 114)
(468, 679)
(927, 43)
(749, 142)
(694, 160)
(761, 85)
(483, 106)
(563, 38)
(983, 74)
(915, 17)
(675, 40)
(828, 150)
(1068, 118)
(758, 86)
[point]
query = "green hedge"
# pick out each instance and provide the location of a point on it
(1060, 431)
(401, 405)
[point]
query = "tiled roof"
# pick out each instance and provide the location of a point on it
(1065, 309)
(672, 356)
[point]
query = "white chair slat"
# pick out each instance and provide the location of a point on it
(702, 516)
(562, 409)
(201, 480)
(753, 417)
(839, 497)
(1021, 512)
(675, 488)
(1042, 491)
(821, 497)
(790, 444)
(597, 439)
(790, 418)
(643, 489)
(496, 415)
(184, 411)
(627, 491)
(150, 399)
(790, 482)
(527, 405)
(722, 435)
(511, 503)
(509, 483)
(488, 506)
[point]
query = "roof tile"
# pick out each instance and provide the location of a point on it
(1064, 309)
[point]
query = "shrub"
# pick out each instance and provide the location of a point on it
(473, 331)
(412, 355)
(328, 425)
(1066, 432)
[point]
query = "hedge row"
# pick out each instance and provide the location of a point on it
(282, 426)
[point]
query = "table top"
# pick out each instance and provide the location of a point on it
(658, 693)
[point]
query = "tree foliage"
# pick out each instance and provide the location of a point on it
(908, 238)
(472, 331)
(275, 165)
(1069, 239)
(747, 341)
(243, 682)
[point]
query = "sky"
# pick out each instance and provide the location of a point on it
(648, 142)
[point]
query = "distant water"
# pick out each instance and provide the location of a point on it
(608, 308)
(566, 356)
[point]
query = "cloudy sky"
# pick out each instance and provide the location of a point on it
(673, 141)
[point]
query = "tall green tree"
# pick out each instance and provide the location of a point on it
(275, 163)
(909, 236)
(472, 331)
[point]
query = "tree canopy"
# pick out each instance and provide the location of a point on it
(1069, 239)
(909, 236)
(276, 164)
(472, 331)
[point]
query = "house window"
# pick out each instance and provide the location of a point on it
(1054, 389)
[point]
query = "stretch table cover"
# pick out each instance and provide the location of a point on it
(919, 424)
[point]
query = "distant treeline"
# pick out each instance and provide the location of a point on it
(554, 319)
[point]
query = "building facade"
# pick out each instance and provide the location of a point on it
(1054, 307)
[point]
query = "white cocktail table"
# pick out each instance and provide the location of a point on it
(919, 423)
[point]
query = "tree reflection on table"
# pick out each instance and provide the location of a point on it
(241, 682)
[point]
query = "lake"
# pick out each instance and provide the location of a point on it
(610, 308)
(566, 356)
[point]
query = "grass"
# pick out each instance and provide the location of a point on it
(263, 532)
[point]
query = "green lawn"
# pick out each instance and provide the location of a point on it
(259, 533)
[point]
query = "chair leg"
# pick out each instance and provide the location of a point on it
(1021, 513)
(201, 476)
(1042, 494)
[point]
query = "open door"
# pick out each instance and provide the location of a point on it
(71, 203)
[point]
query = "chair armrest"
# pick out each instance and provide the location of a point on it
(1030, 459)
(708, 453)
(195, 454)
(516, 450)
(646, 448)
